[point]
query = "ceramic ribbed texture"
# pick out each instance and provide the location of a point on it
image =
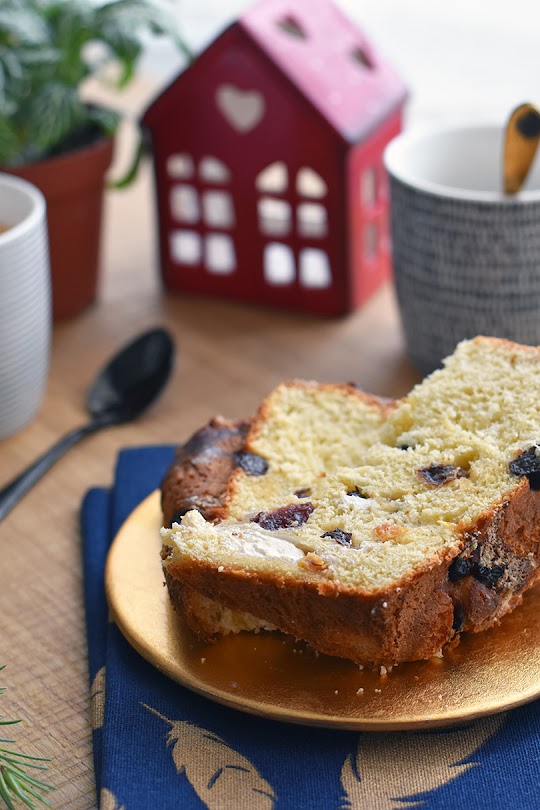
(25, 325)
(464, 268)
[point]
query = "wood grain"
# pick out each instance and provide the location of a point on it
(229, 357)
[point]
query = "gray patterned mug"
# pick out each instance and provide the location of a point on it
(466, 257)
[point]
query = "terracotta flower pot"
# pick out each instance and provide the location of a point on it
(73, 188)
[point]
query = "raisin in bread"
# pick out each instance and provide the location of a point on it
(376, 532)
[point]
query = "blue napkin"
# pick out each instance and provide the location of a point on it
(158, 746)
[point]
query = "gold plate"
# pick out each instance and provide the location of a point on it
(270, 675)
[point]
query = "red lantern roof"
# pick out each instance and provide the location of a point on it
(329, 60)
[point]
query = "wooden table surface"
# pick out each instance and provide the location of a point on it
(229, 357)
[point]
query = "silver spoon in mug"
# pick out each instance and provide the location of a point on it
(522, 136)
(129, 383)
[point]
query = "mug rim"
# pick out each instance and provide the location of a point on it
(392, 158)
(37, 210)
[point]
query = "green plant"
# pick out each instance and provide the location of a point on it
(16, 784)
(48, 49)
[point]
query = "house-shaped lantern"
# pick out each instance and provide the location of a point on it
(268, 162)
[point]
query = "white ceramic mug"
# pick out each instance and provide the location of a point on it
(466, 257)
(25, 304)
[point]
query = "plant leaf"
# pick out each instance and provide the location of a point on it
(9, 141)
(105, 118)
(126, 179)
(122, 22)
(22, 26)
(44, 47)
(56, 111)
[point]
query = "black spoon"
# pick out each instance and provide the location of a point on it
(123, 389)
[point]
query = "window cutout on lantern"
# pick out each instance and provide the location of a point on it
(312, 220)
(292, 27)
(213, 170)
(310, 184)
(185, 247)
(371, 240)
(274, 179)
(185, 204)
(274, 216)
(314, 269)
(180, 167)
(359, 55)
(278, 264)
(218, 209)
(369, 187)
(219, 254)
(242, 109)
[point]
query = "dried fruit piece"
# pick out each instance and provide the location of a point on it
(285, 517)
(459, 568)
(251, 463)
(528, 463)
(439, 474)
(389, 531)
(488, 575)
(312, 561)
(304, 492)
(340, 536)
(356, 493)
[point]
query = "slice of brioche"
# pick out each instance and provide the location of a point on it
(202, 471)
(374, 532)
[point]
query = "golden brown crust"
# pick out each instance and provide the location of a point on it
(505, 540)
(371, 630)
(200, 472)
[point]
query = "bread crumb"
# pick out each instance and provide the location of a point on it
(360, 666)
(385, 604)
(234, 684)
(378, 691)
(383, 671)
(221, 568)
(360, 691)
(203, 660)
(336, 692)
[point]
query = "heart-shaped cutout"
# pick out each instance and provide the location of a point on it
(242, 109)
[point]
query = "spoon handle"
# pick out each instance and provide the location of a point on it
(11, 494)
